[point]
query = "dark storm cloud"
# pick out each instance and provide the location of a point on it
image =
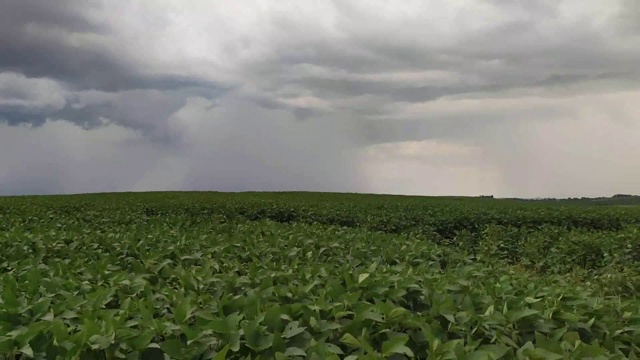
(141, 109)
(17, 14)
(541, 67)
(32, 42)
(26, 101)
(16, 115)
(35, 43)
(36, 40)
(531, 47)
(341, 88)
(250, 97)
(137, 109)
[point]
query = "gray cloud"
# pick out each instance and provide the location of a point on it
(275, 97)
(72, 52)
(36, 40)
(629, 18)
(61, 41)
(24, 100)
(229, 146)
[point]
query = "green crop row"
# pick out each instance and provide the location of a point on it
(385, 213)
(201, 276)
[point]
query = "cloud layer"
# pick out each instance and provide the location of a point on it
(518, 98)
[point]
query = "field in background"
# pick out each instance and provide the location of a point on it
(316, 276)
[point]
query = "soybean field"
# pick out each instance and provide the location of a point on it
(204, 275)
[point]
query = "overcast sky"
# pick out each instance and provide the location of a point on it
(521, 98)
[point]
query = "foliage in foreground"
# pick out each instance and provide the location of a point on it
(110, 282)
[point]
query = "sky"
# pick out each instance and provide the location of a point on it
(514, 98)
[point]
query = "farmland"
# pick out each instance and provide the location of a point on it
(316, 276)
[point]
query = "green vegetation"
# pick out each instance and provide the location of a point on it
(316, 276)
